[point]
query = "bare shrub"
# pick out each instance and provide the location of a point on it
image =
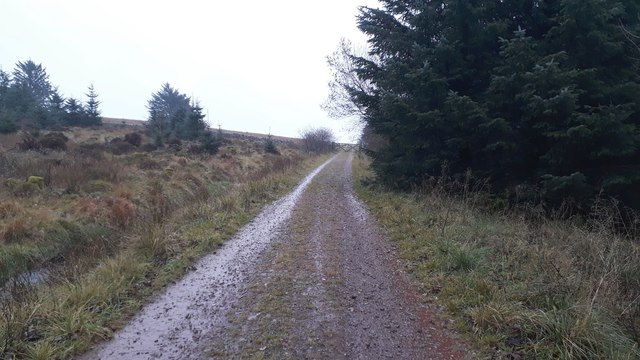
(54, 141)
(320, 140)
(118, 146)
(94, 151)
(133, 138)
(195, 149)
(29, 142)
(148, 147)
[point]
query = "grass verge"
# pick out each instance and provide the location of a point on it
(108, 247)
(518, 288)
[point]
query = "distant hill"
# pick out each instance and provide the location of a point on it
(142, 123)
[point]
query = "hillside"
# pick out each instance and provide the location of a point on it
(141, 123)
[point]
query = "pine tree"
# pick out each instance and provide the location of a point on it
(167, 109)
(92, 109)
(75, 112)
(33, 78)
(5, 82)
(270, 145)
(541, 93)
(56, 108)
(193, 124)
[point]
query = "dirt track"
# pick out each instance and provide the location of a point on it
(312, 277)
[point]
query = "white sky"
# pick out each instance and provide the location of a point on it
(254, 65)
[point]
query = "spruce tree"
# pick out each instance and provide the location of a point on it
(540, 93)
(92, 108)
(56, 108)
(193, 124)
(75, 112)
(34, 80)
(167, 108)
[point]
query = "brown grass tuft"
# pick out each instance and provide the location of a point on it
(122, 212)
(15, 231)
(9, 209)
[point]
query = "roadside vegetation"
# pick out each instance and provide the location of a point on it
(317, 140)
(95, 220)
(505, 162)
(519, 283)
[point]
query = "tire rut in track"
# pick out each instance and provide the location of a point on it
(332, 287)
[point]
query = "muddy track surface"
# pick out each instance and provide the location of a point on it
(312, 277)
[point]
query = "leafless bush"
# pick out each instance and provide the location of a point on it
(54, 141)
(372, 141)
(319, 140)
(119, 146)
(133, 138)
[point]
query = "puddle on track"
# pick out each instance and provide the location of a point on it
(172, 326)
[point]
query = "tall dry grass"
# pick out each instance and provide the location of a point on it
(110, 230)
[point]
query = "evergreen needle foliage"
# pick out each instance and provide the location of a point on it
(540, 95)
(174, 116)
(28, 99)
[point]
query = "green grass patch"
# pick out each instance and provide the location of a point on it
(116, 269)
(548, 289)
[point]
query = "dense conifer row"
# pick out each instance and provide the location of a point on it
(542, 96)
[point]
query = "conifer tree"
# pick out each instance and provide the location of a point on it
(175, 116)
(75, 112)
(542, 93)
(92, 108)
(34, 80)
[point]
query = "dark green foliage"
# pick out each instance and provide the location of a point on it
(173, 115)
(7, 124)
(75, 113)
(209, 142)
(541, 94)
(33, 79)
(56, 108)
(92, 109)
(27, 99)
(270, 146)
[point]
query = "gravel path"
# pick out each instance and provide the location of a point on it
(311, 277)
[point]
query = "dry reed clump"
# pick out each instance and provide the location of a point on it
(124, 192)
(89, 209)
(72, 172)
(525, 286)
(122, 211)
(61, 170)
(15, 231)
(10, 209)
(159, 204)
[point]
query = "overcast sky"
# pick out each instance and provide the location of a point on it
(254, 65)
